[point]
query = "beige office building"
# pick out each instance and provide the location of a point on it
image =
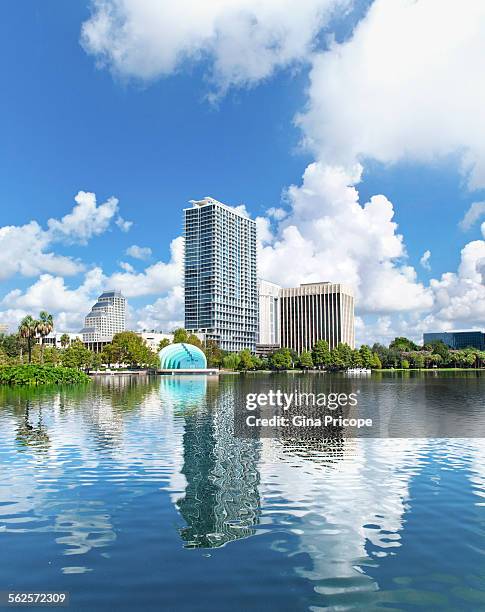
(316, 311)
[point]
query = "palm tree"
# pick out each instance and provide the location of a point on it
(65, 340)
(28, 330)
(45, 325)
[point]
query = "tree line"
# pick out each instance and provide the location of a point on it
(130, 349)
(320, 357)
(126, 348)
(404, 353)
(401, 353)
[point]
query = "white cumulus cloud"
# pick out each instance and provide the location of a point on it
(244, 40)
(27, 249)
(139, 252)
(86, 219)
(24, 250)
(165, 314)
(330, 236)
(157, 278)
(409, 84)
(472, 215)
(49, 292)
(424, 261)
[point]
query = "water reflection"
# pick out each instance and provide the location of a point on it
(221, 499)
(149, 467)
(32, 434)
(337, 508)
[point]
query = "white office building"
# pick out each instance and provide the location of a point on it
(107, 318)
(221, 294)
(54, 339)
(269, 316)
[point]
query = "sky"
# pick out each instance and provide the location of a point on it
(350, 130)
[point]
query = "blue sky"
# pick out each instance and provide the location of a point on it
(68, 124)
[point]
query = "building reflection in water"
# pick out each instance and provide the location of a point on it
(221, 501)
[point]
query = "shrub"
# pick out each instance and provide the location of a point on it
(32, 374)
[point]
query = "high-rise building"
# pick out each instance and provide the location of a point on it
(221, 298)
(269, 317)
(107, 318)
(316, 311)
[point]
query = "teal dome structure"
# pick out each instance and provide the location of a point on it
(182, 356)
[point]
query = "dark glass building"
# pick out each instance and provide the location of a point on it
(457, 340)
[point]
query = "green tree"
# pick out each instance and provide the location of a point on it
(4, 360)
(214, 354)
(245, 360)
(52, 355)
(258, 363)
(418, 360)
(107, 355)
(405, 364)
(366, 356)
(438, 347)
(281, 360)
(341, 356)
(306, 361)
(129, 347)
(466, 359)
(96, 361)
(180, 335)
(402, 344)
(480, 358)
(376, 362)
(356, 359)
(13, 345)
(231, 361)
(45, 325)
(77, 356)
(193, 339)
(321, 354)
(65, 340)
(28, 330)
(163, 343)
(384, 355)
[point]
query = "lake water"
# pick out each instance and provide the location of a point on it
(133, 493)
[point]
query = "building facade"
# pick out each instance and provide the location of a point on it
(457, 340)
(54, 339)
(269, 318)
(269, 312)
(316, 311)
(153, 339)
(107, 318)
(221, 295)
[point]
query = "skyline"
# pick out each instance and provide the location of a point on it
(218, 124)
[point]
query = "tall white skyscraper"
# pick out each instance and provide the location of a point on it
(221, 296)
(107, 318)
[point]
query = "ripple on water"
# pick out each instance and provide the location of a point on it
(130, 479)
